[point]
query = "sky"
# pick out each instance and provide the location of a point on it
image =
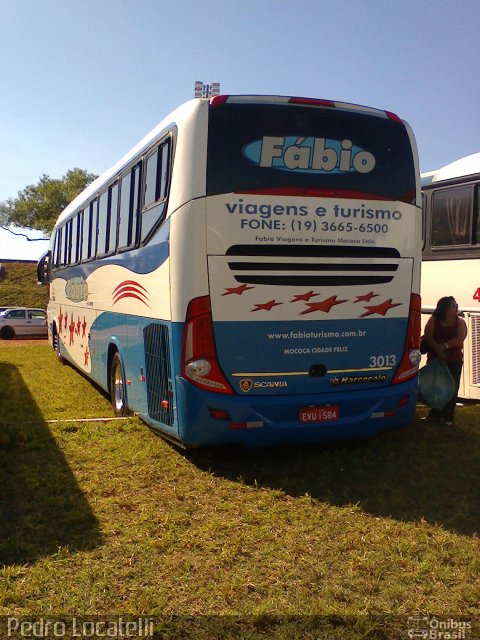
(83, 80)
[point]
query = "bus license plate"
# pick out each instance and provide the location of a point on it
(319, 414)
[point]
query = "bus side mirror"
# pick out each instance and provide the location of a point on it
(43, 269)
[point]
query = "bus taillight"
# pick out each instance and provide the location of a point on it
(199, 356)
(411, 355)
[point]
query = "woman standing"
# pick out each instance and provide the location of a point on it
(445, 333)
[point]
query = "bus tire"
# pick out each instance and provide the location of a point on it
(8, 333)
(56, 345)
(117, 387)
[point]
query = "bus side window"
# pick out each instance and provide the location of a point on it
(70, 242)
(452, 217)
(74, 252)
(133, 229)
(61, 248)
(124, 211)
(151, 167)
(103, 223)
(94, 228)
(113, 226)
(66, 244)
(164, 172)
(58, 247)
(89, 232)
(84, 216)
(157, 171)
(73, 240)
(54, 250)
(79, 235)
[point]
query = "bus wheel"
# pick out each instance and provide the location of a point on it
(56, 346)
(8, 333)
(117, 387)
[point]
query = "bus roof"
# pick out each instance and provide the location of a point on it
(182, 113)
(461, 167)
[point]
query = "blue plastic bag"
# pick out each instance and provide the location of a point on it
(435, 384)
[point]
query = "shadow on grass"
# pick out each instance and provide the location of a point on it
(424, 471)
(42, 507)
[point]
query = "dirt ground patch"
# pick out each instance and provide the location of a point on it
(23, 342)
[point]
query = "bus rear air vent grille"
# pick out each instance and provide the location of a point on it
(312, 265)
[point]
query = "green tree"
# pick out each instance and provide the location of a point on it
(38, 206)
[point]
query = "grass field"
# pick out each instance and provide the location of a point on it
(18, 286)
(108, 518)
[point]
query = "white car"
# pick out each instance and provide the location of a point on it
(22, 321)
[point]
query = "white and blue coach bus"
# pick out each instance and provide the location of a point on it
(451, 254)
(249, 273)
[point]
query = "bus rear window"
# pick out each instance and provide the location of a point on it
(307, 151)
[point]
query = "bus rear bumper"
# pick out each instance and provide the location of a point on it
(206, 418)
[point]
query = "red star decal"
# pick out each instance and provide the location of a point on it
(71, 328)
(267, 305)
(366, 298)
(304, 296)
(381, 309)
(324, 305)
(238, 290)
(86, 354)
(79, 324)
(84, 326)
(60, 320)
